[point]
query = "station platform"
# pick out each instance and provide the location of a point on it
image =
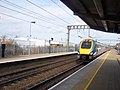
(32, 56)
(101, 74)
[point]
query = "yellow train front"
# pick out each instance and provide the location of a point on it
(87, 50)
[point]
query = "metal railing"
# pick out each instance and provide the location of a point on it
(12, 50)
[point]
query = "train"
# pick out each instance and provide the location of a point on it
(117, 47)
(89, 48)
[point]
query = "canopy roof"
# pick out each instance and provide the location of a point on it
(102, 15)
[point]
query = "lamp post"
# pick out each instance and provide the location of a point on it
(29, 52)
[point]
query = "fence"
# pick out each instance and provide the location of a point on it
(13, 50)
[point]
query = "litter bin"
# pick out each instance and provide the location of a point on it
(3, 50)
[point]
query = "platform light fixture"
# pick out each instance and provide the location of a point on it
(30, 35)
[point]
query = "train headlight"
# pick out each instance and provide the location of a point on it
(91, 53)
(78, 52)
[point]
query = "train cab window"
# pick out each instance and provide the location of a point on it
(86, 45)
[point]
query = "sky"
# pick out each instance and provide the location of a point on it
(51, 19)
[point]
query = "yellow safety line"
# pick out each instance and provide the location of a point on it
(86, 87)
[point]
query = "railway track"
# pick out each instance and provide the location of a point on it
(55, 79)
(25, 78)
(40, 75)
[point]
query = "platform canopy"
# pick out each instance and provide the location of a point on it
(102, 15)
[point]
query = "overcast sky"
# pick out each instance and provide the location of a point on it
(51, 19)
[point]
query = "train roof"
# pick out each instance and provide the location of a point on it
(88, 39)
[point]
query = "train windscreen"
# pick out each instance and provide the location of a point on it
(86, 45)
